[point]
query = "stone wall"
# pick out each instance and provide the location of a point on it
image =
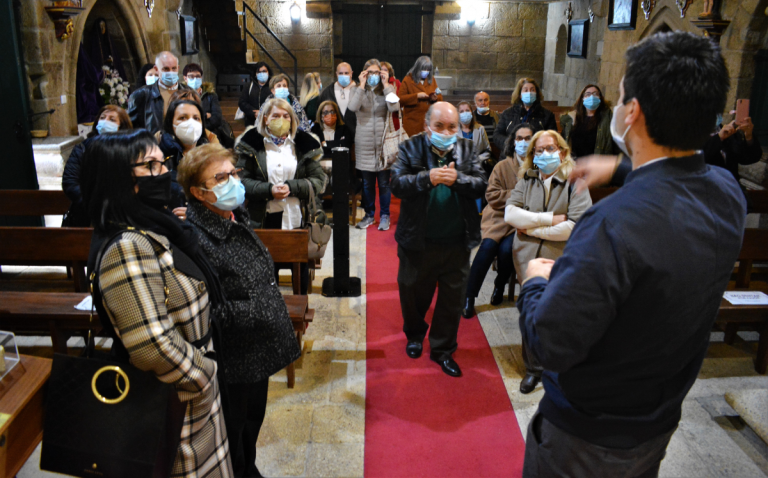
(495, 51)
(310, 39)
(51, 64)
(565, 77)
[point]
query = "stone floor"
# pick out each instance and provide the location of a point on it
(317, 429)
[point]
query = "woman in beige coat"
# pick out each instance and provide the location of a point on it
(498, 236)
(544, 208)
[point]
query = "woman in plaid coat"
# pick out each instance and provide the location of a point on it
(157, 289)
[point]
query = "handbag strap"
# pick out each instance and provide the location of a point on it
(311, 206)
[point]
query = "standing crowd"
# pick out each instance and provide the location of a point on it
(174, 198)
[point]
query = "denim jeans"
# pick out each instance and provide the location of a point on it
(369, 192)
(490, 249)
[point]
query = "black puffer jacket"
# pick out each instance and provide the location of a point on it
(410, 182)
(77, 216)
(257, 334)
(540, 118)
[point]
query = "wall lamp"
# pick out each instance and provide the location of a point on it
(295, 11)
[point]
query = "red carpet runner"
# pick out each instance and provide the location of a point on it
(420, 422)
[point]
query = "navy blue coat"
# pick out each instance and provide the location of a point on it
(623, 324)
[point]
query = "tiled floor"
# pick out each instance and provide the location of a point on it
(317, 429)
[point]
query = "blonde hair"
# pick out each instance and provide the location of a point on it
(566, 165)
(309, 88)
(319, 118)
(518, 89)
(266, 110)
(196, 161)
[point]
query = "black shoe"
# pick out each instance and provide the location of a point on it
(469, 309)
(449, 366)
(413, 349)
(498, 295)
(529, 383)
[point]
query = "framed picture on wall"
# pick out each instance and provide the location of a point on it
(622, 15)
(189, 37)
(577, 38)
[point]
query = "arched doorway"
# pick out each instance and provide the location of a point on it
(120, 34)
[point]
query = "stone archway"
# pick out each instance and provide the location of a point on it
(665, 20)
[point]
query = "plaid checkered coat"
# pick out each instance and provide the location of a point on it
(157, 311)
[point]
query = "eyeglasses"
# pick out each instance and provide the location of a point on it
(589, 94)
(222, 178)
(549, 149)
(328, 113)
(155, 168)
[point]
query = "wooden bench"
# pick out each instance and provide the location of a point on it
(48, 246)
(33, 202)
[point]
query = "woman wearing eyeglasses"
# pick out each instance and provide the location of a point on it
(256, 332)
(156, 289)
(587, 128)
(543, 208)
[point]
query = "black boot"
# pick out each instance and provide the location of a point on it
(498, 295)
(529, 383)
(469, 308)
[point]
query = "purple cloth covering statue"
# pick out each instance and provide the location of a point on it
(87, 95)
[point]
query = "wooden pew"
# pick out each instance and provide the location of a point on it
(48, 246)
(291, 246)
(22, 202)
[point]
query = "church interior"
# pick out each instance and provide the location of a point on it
(353, 404)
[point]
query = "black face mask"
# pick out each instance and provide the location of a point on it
(154, 191)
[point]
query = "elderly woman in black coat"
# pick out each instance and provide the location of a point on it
(257, 334)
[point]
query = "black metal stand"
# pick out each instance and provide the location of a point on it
(341, 285)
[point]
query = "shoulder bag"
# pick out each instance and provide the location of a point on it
(390, 145)
(239, 113)
(318, 226)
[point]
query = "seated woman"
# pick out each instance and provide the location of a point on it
(497, 235)
(279, 86)
(587, 128)
(329, 127)
(155, 289)
(110, 118)
(543, 208)
(279, 162)
(526, 108)
(188, 94)
(256, 331)
(471, 129)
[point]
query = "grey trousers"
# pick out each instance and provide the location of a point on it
(445, 267)
(550, 452)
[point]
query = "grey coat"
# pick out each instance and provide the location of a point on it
(529, 194)
(371, 111)
(482, 146)
(256, 332)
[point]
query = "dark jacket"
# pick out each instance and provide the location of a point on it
(623, 324)
(252, 157)
(173, 151)
(256, 331)
(350, 118)
(342, 138)
(77, 216)
(210, 103)
(311, 108)
(145, 107)
(540, 118)
(251, 98)
(604, 141)
(410, 182)
(732, 152)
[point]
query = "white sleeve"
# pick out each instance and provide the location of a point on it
(561, 232)
(522, 219)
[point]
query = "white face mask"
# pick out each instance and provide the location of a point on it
(619, 138)
(188, 132)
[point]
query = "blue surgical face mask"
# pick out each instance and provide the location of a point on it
(229, 195)
(195, 83)
(106, 126)
(262, 76)
(344, 80)
(521, 147)
(373, 80)
(151, 80)
(528, 97)
(442, 141)
(169, 78)
(719, 120)
(424, 74)
(547, 162)
(482, 109)
(281, 93)
(591, 102)
(465, 117)
(619, 139)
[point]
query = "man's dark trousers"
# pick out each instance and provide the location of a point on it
(445, 266)
(552, 453)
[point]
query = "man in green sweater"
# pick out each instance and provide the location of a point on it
(438, 178)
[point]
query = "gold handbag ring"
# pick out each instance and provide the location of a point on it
(124, 393)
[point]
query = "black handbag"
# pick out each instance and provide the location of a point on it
(105, 417)
(225, 134)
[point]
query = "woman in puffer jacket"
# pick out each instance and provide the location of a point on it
(371, 101)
